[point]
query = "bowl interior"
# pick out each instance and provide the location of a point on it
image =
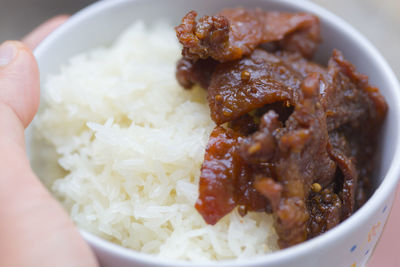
(101, 23)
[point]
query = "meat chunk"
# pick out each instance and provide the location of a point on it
(217, 181)
(239, 87)
(260, 146)
(271, 189)
(226, 180)
(379, 109)
(325, 210)
(219, 169)
(348, 97)
(236, 32)
(327, 142)
(360, 151)
(189, 72)
(300, 64)
(244, 125)
(301, 138)
(301, 160)
(340, 151)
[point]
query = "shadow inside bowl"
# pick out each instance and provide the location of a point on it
(100, 25)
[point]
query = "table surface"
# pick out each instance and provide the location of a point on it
(378, 20)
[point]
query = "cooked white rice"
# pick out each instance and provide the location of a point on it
(124, 146)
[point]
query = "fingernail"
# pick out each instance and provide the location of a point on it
(7, 53)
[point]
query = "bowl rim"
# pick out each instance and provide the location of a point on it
(380, 195)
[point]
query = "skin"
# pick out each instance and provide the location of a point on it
(34, 228)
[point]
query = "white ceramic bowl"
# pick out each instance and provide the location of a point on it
(349, 244)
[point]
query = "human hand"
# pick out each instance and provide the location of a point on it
(34, 228)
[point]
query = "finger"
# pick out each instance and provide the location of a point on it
(34, 229)
(33, 39)
(19, 81)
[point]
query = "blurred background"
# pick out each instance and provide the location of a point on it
(378, 20)
(19, 17)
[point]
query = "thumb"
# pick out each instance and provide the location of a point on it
(19, 90)
(34, 229)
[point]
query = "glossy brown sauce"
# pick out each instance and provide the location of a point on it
(294, 138)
